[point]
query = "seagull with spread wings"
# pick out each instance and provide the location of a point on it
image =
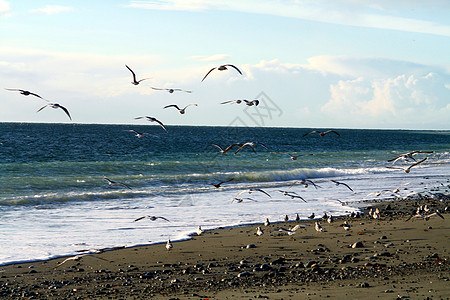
(151, 119)
(113, 183)
(135, 82)
(341, 183)
(222, 68)
(141, 134)
(408, 155)
(26, 93)
(322, 133)
(56, 105)
(180, 110)
(152, 218)
(170, 90)
(408, 169)
(218, 185)
(294, 157)
(77, 258)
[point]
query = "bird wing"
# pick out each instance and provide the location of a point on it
(208, 73)
(263, 146)
(42, 107)
(66, 111)
(419, 162)
(314, 131)
(192, 104)
(235, 68)
(231, 179)
(134, 75)
(335, 132)
(220, 148)
(259, 190)
(241, 147)
(172, 105)
(158, 89)
(396, 158)
(231, 146)
(138, 219)
(229, 101)
(161, 124)
(163, 219)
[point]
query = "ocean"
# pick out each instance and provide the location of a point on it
(55, 201)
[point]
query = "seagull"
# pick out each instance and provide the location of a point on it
(341, 183)
(251, 145)
(232, 101)
(169, 245)
(330, 219)
(222, 68)
(141, 134)
(56, 105)
(259, 231)
(199, 230)
(312, 216)
(26, 93)
(251, 191)
(180, 110)
(294, 157)
(305, 183)
(267, 222)
(292, 195)
(171, 90)
(408, 169)
(239, 200)
(111, 183)
(292, 230)
(135, 82)
(297, 218)
(217, 185)
(152, 218)
(77, 258)
(346, 226)
(286, 218)
(426, 217)
(252, 102)
(151, 119)
(224, 151)
(408, 155)
(318, 227)
(322, 133)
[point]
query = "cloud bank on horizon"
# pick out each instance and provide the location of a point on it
(327, 90)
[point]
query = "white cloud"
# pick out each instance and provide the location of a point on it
(4, 7)
(344, 12)
(52, 9)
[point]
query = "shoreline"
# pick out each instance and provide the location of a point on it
(396, 258)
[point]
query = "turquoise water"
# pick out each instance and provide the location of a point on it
(52, 179)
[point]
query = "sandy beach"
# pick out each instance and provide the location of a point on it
(387, 258)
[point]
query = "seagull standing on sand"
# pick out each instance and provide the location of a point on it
(222, 68)
(199, 230)
(322, 133)
(318, 227)
(408, 169)
(135, 82)
(169, 245)
(286, 218)
(259, 231)
(312, 216)
(152, 218)
(26, 93)
(180, 110)
(346, 226)
(112, 183)
(151, 119)
(56, 105)
(267, 222)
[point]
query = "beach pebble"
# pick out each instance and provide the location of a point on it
(249, 246)
(244, 274)
(358, 245)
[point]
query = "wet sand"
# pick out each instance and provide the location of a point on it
(397, 259)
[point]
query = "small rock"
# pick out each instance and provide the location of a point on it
(358, 245)
(249, 246)
(244, 274)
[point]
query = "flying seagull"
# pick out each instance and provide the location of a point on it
(426, 217)
(224, 151)
(222, 68)
(251, 145)
(56, 105)
(408, 155)
(251, 191)
(151, 119)
(141, 134)
(306, 183)
(292, 195)
(26, 93)
(217, 185)
(251, 103)
(152, 218)
(341, 183)
(112, 183)
(408, 169)
(77, 258)
(135, 82)
(171, 90)
(294, 157)
(180, 110)
(322, 133)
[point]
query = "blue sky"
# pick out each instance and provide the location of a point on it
(321, 63)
